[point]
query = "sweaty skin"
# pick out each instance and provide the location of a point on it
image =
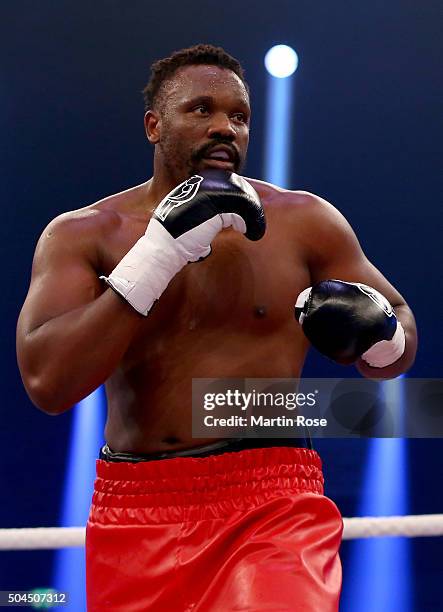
(231, 315)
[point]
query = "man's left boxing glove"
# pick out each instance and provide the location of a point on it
(345, 321)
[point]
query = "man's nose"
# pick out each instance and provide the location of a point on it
(221, 127)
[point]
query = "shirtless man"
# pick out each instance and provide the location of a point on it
(230, 315)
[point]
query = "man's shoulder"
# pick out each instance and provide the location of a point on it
(104, 215)
(291, 201)
(306, 217)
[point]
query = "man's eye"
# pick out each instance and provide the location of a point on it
(240, 117)
(201, 109)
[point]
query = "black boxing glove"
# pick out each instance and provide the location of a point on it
(345, 321)
(181, 230)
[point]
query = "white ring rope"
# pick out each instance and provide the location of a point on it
(412, 526)
(359, 527)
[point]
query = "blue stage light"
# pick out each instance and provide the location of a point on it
(281, 61)
(86, 437)
(379, 573)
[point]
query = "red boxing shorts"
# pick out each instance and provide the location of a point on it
(248, 530)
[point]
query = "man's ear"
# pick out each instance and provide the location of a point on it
(152, 126)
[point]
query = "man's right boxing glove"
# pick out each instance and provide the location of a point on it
(181, 230)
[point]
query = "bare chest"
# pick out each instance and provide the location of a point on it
(243, 287)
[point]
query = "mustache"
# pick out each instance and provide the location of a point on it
(203, 151)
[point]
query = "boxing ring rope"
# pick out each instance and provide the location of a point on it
(413, 526)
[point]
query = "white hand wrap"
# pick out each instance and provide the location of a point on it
(301, 301)
(146, 270)
(386, 352)
(181, 231)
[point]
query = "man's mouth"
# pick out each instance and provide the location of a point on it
(220, 156)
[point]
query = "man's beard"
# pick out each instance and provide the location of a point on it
(185, 164)
(198, 155)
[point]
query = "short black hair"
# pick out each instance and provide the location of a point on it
(163, 69)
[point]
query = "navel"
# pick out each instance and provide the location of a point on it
(260, 312)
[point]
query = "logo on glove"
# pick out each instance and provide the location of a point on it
(182, 193)
(376, 297)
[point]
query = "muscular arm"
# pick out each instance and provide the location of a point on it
(335, 253)
(70, 336)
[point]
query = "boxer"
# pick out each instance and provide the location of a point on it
(193, 274)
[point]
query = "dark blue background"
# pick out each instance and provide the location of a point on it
(367, 137)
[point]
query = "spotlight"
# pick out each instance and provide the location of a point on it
(281, 61)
